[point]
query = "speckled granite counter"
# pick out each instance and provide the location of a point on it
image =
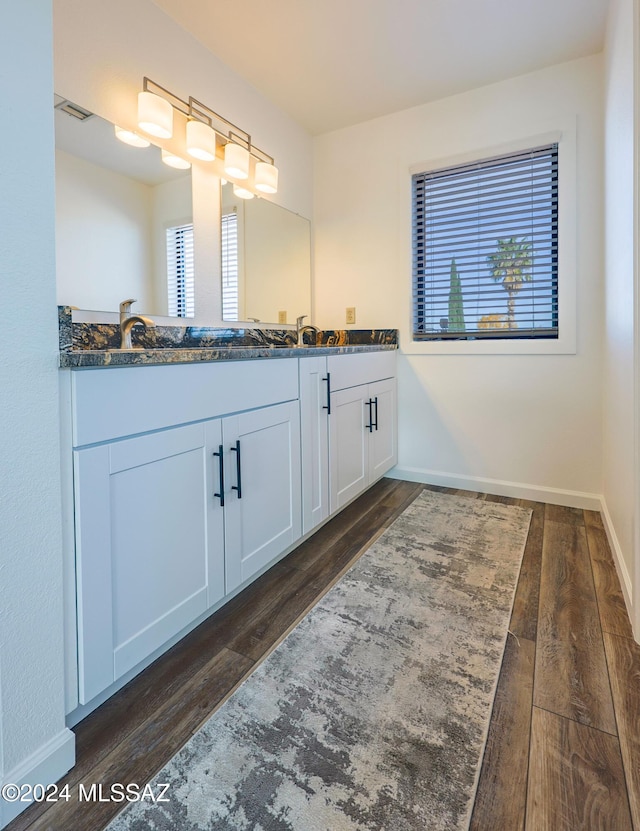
(96, 344)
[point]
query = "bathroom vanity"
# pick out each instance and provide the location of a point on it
(195, 457)
(188, 477)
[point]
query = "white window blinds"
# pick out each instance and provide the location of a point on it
(485, 249)
(180, 271)
(230, 281)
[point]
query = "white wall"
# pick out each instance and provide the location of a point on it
(620, 384)
(507, 423)
(104, 249)
(34, 742)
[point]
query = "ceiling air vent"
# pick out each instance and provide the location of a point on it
(72, 109)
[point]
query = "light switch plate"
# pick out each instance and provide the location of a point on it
(351, 314)
(282, 317)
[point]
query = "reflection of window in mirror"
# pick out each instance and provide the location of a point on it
(230, 275)
(180, 271)
(266, 260)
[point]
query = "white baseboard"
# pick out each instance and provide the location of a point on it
(49, 763)
(618, 558)
(499, 487)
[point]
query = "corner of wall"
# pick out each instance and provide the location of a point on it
(48, 764)
(626, 582)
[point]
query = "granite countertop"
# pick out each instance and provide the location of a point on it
(84, 345)
(147, 357)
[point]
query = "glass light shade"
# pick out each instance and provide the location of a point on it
(242, 193)
(266, 178)
(236, 161)
(175, 161)
(201, 141)
(155, 115)
(129, 137)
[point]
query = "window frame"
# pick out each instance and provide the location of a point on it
(565, 343)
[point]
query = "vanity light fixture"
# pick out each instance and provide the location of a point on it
(201, 140)
(129, 137)
(243, 193)
(155, 114)
(206, 131)
(174, 161)
(236, 161)
(266, 180)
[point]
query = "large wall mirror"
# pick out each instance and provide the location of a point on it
(124, 228)
(266, 261)
(118, 211)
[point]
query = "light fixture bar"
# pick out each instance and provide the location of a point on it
(177, 103)
(226, 130)
(229, 131)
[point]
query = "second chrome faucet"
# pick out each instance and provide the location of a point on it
(128, 321)
(300, 331)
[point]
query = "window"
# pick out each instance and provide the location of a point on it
(180, 271)
(485, 249)
(230, 283)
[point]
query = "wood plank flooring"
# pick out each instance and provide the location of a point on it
(567, 697)
(563, 749)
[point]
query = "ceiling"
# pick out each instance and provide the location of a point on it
(332, 63)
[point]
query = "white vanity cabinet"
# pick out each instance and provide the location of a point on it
(362, 424)
(149, 548)
(383, 438)
(262, 518)
(314, 413)
(155, 547)
(191, 479)
(349, 425)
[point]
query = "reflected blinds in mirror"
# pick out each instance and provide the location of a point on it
(230, 281)
(180, 271)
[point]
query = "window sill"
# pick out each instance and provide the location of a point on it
(533, 346)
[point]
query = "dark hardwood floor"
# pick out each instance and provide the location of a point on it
(563, 750)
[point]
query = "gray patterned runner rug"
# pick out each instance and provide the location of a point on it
(372, 714)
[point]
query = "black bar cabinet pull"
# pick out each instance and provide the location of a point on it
(375, 404)
(369, 404)
(327, 406)
(238, 487)
(220, 455)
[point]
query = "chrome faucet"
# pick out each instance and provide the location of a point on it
(128, 321)
(300, 330)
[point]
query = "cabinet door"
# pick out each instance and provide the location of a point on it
(147, 565)
(314, 408)
(348, 445)
(383, 445)
(262, 472)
